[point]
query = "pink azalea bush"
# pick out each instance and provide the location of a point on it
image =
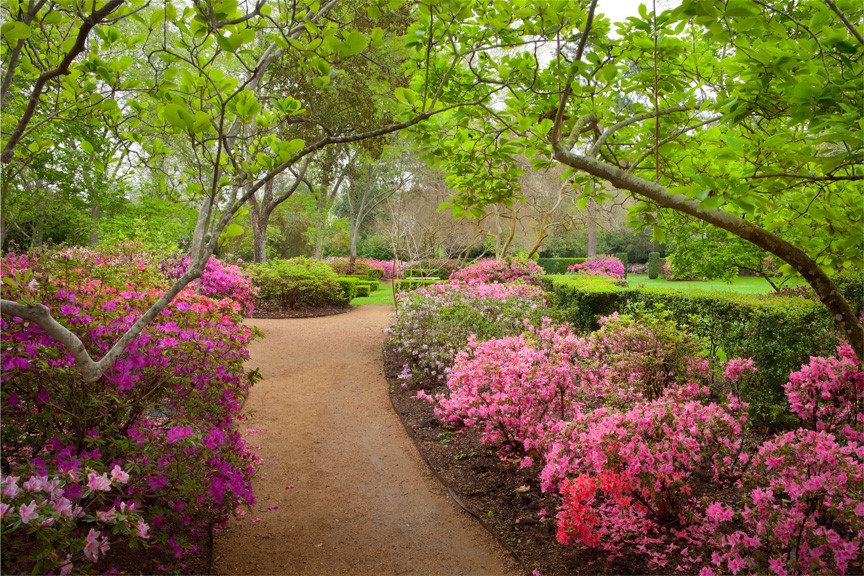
(517, 390)
(218, 280)
(827, 394)
(390, 269)
(600, 266)
(432, 324)
(629, 435)
(500, 271)
(163, 414)
(60, 522)
(803, 511)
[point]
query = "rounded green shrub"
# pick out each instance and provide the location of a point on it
(362, 290)
(653, 265)
(297, 281)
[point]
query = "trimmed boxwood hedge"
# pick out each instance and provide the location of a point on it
(411, 284)
(778, 333)
(349, 287)
(362, 290)
(558, 265)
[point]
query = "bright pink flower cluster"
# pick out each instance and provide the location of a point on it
(390, 270)
(165, 409)
(500, 271)
(827, 394)
(803, 513)
(218, 280)
(600, 266)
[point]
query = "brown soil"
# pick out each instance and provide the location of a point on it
(342, 489)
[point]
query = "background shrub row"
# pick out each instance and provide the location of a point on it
(778, 333)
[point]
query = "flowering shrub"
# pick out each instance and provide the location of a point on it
(517, 390)
(803, 513)
(645, 353)
(600, 266)
(387, 266)
(491, 271)
(164, 411)
(623, 475)
(218, 280)
(45, 518)
(827, 394)
(433, 323)
(343, 266)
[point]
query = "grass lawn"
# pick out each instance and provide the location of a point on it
(740, 285)
(384, 295)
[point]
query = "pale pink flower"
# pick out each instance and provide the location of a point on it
(98, 483)
(118, 475)
(142, 530)
(28, 512)
(95, 546)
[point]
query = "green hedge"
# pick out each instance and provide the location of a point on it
(558, 265)
(411, 284)
(778, 333)
(419, 273)
(622, 256)
(364, 280)
(653, 265)
(349, 287)
(296, 281)
(362, 290)
(376, 273)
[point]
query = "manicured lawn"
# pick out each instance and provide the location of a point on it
(384, 295)
(740, 285)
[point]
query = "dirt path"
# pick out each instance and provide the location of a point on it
(341, 489)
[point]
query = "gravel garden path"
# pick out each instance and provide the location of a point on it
(342, 489)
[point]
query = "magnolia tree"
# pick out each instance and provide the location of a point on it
(707, 110)
(199, 94)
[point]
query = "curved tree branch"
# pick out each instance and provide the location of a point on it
(828, 292)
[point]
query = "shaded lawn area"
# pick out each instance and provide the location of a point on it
(744, 285)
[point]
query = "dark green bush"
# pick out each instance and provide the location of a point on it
(411, 284)
(376, 273)
(622, 256)
(653, 265)
(343, 267)
(778, 333)
(296, 281)
(852, 287)
(362, 290)
(419, 273)
(348, 284)
(558, 265)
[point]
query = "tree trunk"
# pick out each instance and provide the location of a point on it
(840, 310)
(592, 224)
(259, 217)
(95, 211)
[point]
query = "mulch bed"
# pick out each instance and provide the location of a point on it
(505, 498)
(268, 309)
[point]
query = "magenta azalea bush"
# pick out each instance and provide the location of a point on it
(500, 271)
(600, 266)
(432, 324)
(149, 453)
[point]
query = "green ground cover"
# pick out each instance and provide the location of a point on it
(384, 295)
(740, 285)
